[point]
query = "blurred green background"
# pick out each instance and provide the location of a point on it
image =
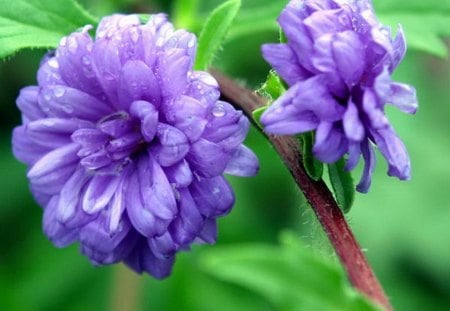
(403, 226)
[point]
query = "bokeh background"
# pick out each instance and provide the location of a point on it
(403, 226)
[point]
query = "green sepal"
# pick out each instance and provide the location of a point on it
(313, 167)
(342, 184)
(273, 87)
(257, 113)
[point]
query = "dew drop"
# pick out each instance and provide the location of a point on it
(47, 96)
(63, 41)
(59, 91)
(191, 42)
(218, 110)
(68, 108)
(72, 44)
(101, 34)
(209, 80)
(134, 34)
(108, 76)
(53, 63)
(85, 59)
(160, 42)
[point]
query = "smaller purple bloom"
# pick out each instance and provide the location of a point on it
(338, 62)
(127, 146)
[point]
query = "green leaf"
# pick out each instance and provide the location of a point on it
(342, 184)
(313, 166)
(38, 23)
(214, 32)
(425, 23)
(290, 276)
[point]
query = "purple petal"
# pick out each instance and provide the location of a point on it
(55, 231)
(96, 235)
(189, 115)
(399, 48)
(243, 163)
(70, 196)
(163, 246)
(55, 160)
(284, 118)
(298, 37)
(179, 173)
(330, 144)
(54, 132)
(24, 148)
(99, 192)
(66, 102)
(209, 232)
(138, 82)
(156, 191)
(148, 115)
(328, 21)
(213, 196)
(172, 145)
(284, 61)
(189, 222)
(27, 102)
(354, 153)
(394, 151)
(353, 127)
(143, 259)
(173, 66)
(207, 159)
(369, 166)
(75, 63)
(143, 220)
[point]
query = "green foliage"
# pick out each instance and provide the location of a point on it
(425, 22)
(38, 23)
(290, 276)
(256, 19)
(185, 13)
(214, 32)
(342, 184)
(313, 167)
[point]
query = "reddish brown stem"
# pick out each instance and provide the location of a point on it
(322, 202)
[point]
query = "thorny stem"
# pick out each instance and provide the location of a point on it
(322, 202)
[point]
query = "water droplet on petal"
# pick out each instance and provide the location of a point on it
(191, 42)
(160, 42)
(53, 63)
(63, 41)
(108, 76)
(47, 96)
(134, 34)
(101, 34)
(59, 91)
(218, 110)
(68, 108)
(72, 44)
(85, 59)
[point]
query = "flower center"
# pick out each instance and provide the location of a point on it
(116, 139)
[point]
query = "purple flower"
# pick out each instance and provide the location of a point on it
(338, 61)
(127, 145)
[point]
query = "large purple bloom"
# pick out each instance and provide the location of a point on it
(338, 61)
(127, 145)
